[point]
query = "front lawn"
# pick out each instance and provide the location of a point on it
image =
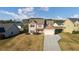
(23, 42)
(69, 42)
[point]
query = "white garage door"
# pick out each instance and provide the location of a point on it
(49, 31)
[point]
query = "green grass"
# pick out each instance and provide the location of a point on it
(69, 42)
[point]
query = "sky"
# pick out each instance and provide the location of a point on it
(19, 13)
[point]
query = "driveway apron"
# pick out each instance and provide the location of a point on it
(51, 43)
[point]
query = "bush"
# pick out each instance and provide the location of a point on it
(25, 31)
(75, 32)
(36, 33)
(57, 31)
(2, 36)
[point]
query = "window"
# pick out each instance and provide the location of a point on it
(39, 25)
(11, 32)
(31, 25)
(76, 25)
(2, 29)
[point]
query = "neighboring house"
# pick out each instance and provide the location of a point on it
(49, 22)
(9, 29)
(76, 26)
(71, 24)
(55, 24)
(36, 25)
(49, 29)
(58, 23)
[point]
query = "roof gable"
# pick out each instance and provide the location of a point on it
(7, 25)
(55, 24)
(36, 20)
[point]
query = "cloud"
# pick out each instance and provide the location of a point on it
(60, 18)
(25, 10)
(44, 8)
(23, 13)
(75, 16)
(14, 15)
(10, 13)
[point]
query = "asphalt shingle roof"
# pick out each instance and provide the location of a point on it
(6, 26)
(52, 21)
(37, 20)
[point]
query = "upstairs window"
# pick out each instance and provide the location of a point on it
(32, 25)
(76, 25)
(39, 25)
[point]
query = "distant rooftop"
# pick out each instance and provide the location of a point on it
(36, 18)
(74, 19)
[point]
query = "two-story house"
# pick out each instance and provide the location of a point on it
(36, 25)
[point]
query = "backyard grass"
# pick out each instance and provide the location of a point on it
(69, 42)
(22, 42)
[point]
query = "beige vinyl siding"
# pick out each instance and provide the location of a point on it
(76, 27)
(69, 26)
(41, 26)
(32, 27)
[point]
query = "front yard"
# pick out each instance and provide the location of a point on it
(69, 42)
(23, 42)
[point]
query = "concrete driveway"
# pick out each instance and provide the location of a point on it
(51, 43)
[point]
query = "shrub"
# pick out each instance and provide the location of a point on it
(57, 31)
(75, 32)
(2, 36)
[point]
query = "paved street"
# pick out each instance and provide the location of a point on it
(51, 43)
